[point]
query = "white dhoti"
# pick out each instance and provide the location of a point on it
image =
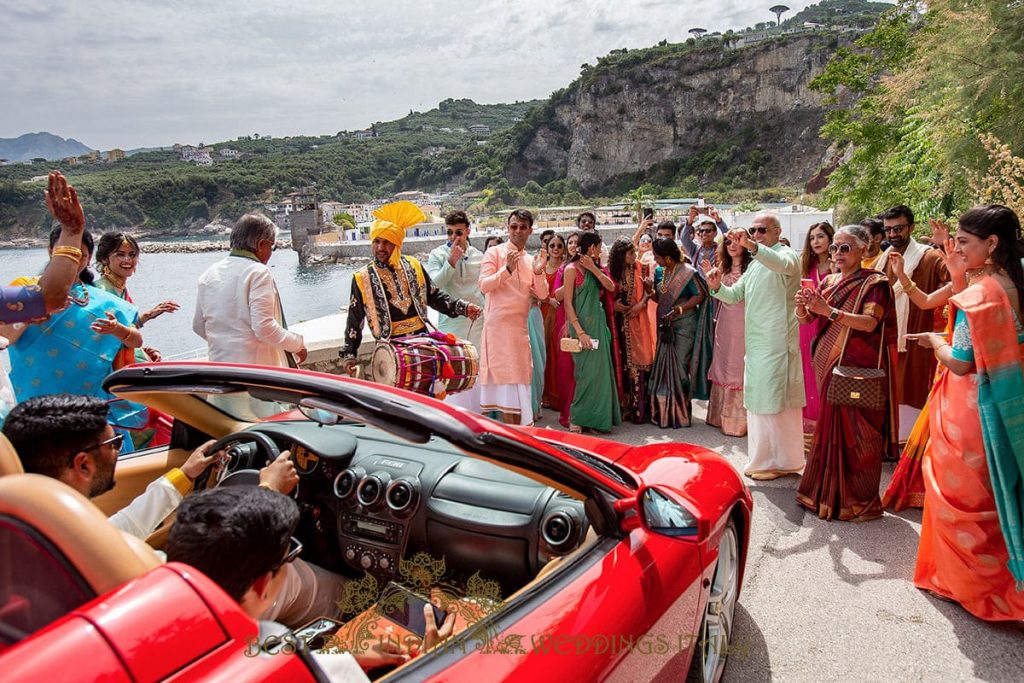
(775, 443)
(470, 400)
(510, 399)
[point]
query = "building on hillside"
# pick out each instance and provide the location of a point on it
(368, 133)
(229, 153)
(328, 210)
(90, 157)
(70, 161)
(480, 129)
(433, 151)
(176, 148)
(415, 196)
(115, 155)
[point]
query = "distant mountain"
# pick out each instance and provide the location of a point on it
(40, 146)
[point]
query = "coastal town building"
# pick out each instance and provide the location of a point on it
(480, 129)
(229, 153)
(115, 155)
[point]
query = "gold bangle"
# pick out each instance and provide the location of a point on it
(76, 259)
(267, 486)
(68, 251)
(911, 289)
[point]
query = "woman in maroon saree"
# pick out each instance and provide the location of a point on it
(858, 329)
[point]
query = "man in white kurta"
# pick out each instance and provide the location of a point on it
(773, 391)
(454, 267)
(238, 307)
(509, 277)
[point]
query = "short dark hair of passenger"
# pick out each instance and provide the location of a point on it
(899, 211)
(233, 534)
(47, 431)
(579, 218)
(250, 230)
(546, 234)
(110, 242)
(996, 219)
(586, 240)
(457, 218)
(666, 248)
(666, 225)
(874, 226)
(723, 258)
(521, 214)
(617, 257)
(88, 246)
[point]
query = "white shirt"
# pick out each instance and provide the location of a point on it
(141, 516)
(238, 313)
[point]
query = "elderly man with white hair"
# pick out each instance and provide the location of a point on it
(773, 391)
(238, 307)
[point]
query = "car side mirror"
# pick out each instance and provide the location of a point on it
(659, 513)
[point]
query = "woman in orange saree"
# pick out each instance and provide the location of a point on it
(858, 328)
(971, 548)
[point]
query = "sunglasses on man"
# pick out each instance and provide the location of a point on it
(457, 233)
(294, 549)
(895, 228)
(706, 231)
(115, 441)
(757, 229)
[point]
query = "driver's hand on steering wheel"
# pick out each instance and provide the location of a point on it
(200, 460)
(280, 474)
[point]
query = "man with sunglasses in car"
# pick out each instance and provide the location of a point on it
(927, 271)
(68, 438)
(454, 268)
(773, 389)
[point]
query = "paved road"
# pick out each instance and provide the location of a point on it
(834, 601)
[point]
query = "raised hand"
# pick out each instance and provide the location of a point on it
(742, 237)
(955, 263)
(512, 260)
(457, 253)
(713, 274)
(62, 202)
(587, 263)
(108, 325)
(940, 232)
(896, 263)
(540, 261)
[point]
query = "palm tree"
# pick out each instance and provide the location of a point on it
(638, 199)
(778, 11)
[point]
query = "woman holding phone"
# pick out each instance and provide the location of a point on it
(815, 264)
(595, 400)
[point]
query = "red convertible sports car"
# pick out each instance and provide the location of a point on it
(585, 559)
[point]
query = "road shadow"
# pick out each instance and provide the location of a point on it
(889, 542)
(992, 647)
(749, 660)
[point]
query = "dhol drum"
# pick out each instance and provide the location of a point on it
(434, 364)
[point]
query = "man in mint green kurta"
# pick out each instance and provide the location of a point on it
(773, 391)
(454, 267)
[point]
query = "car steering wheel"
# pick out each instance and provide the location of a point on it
(248, 452)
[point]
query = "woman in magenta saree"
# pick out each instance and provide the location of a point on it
(858, 329)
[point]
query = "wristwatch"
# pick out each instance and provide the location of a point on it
(833, 315)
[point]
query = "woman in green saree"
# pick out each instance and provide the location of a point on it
(595, 402)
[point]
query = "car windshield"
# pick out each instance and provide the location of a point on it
(245, 407)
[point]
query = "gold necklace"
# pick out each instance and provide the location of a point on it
(982, 273)
(114, 279)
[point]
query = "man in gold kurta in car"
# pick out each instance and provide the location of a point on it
(392, 292)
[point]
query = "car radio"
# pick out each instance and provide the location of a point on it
(378, 530)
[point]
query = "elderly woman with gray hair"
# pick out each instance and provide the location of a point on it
(238, 307)
(854, 362)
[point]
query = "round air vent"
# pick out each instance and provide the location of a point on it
(401, 495)
(558, 529)
(346, 481)
(371, 489)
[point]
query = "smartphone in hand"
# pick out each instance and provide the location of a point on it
(405, 608)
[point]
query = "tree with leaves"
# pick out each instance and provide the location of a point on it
(697, 33)
(778, 11)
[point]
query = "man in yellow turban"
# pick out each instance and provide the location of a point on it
(392, 293)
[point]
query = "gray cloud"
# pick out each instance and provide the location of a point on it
(129, 73)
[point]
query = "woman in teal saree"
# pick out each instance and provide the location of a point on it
(683, 354)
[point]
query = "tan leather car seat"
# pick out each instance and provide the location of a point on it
(10, 463)
(101, 553)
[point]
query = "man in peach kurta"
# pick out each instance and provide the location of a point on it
(509, 278)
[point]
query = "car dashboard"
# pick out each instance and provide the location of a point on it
(370, 501)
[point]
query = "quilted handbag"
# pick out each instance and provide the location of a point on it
(857, 387)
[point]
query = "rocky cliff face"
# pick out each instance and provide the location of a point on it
(704, 114)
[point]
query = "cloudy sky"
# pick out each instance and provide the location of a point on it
(132, 73)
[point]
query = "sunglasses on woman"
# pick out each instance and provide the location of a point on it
(556, 245)
(756, 229)
(839, 248)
